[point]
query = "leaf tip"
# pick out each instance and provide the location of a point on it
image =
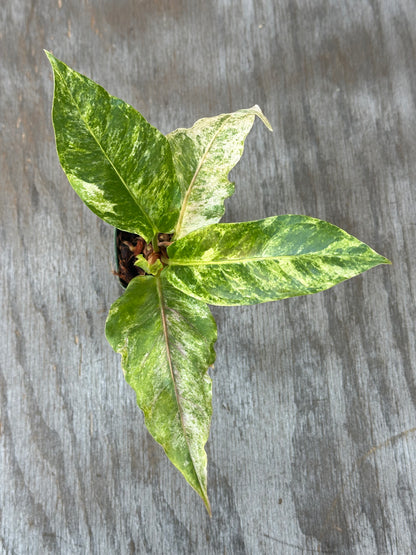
(52, 60)
(49, 55)
(258, 111)
(380, 259)
(207, 504)
(57, 65)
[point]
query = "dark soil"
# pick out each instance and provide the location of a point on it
(126, 257)
(130, 245)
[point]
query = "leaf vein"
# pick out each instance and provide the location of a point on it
(194, 177)
(172, 372)
(231, 261)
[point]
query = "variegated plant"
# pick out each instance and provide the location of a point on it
(140, 181)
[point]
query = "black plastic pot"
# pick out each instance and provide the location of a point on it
(121, 282)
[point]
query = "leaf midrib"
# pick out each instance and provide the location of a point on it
(174, 262)
(194, 177)
(104, 153)
(172, 373)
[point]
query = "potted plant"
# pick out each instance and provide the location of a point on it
(168, 193)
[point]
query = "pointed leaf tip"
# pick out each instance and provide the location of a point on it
(52, 59)
(207, 506)
(259, 113)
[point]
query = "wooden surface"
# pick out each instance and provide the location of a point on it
(313, 439)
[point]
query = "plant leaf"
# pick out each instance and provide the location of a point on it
(119, 164)
(166, 341)
(203, 156)
(142, 263)
(266, 260)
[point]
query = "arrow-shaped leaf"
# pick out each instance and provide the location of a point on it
(166, 341)
(203, 156)
(119, 164)
(266, 260)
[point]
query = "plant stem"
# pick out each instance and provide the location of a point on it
(155, 243)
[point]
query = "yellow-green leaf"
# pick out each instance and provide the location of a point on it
(266, 260)
(119, 164)
(166, 341)
(154, 268)
(203, 156)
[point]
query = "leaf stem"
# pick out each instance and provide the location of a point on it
(155, 243)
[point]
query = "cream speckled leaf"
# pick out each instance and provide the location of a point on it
(266, 260)
(203, 156)
(166, 341)
(142, 263)
(119, 164)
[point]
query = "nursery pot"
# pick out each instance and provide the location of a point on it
(127, 247)
(116, 255)
(130, 245)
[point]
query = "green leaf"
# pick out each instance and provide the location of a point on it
(203, 156)
(119, 164)
(266, 260)
(142, 263)
(166, 341)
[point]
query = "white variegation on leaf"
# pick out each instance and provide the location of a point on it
(266, 260)
(166, 340)
(203, 156)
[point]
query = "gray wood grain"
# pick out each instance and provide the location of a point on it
(313, 441)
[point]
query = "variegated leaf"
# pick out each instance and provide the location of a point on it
(166, 341)
(153, 269)
(203, 156)
(266, 260)
(119, 164)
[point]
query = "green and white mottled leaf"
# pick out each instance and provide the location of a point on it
(266, 260)
(166, 341)
(203, 156)
(119, 164)
(142, 263)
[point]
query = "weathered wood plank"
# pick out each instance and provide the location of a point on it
(313, 436)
